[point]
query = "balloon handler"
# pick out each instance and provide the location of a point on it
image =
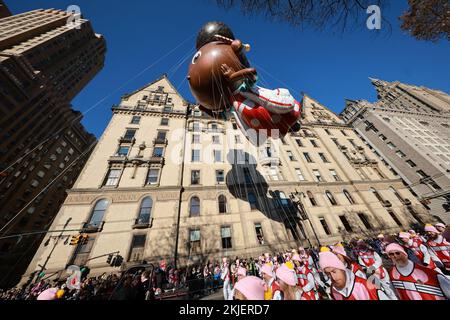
(222, 80)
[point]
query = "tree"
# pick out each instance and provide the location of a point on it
(313, 13)
(427, 19)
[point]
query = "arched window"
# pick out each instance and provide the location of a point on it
(399, 197)
(331, 198)
(312, 199)
(349, 197)
(98, 213)
(376, 194)
(222, 204)
(194, 207)
(145, 211)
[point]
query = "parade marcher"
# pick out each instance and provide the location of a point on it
(419, 249)
(439, 246)
(272, 286)
(340, 252)
(413, 281)
(250, 288)
(225, 275)
(371, 260)
(241, 273)
(305, 279)
(441, 227)
(345, 285)
(287, 280)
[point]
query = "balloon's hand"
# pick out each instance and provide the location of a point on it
(227, 71)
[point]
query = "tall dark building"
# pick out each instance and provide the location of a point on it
(44, 63)
(4, 11)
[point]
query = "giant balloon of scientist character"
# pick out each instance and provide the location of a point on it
(222, 80)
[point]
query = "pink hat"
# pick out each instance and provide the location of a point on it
(242, 272)
(48, 295)
(287, 275)
(394, 247)
(296, 257)
(339, 250)
(252, 288)
(267, 269)
(440, 225)
(330, 260)
(404, 235)
(430, 228)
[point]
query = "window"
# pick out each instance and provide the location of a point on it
(195, 156)
(346, 224)
(312, 199)
(395, 218)
(136, 120)
(331, 198)
(349, 197)
(422, 174)
(195, 138)
(399, 197)
(123, 151)
(328, 132)
(344, 133)
(220, 177)
(247, 176)
(153, 177)
(324, 158)
(217, 155)
(235, 127)
(226, 237)
(284, 200)
(158, 152)
(34, 183)
(41, 174)
(195, 177)
(216, 139)
(214, 127)
(113, 177)
(391, 145)
(376, 194)
(196, 126)
(434, 185)
(162, 135)
(335, 175)
(259, 233)
(401, 154)
(299, 173)
(164, 122)
(167, 109)
(194, 239)
(237, 139)
(325, 227)
(145, 211)
(194, 207)
(137, 248)
(273, 173)
(299, 142)
(314, 144)
(318, 175)
(307, 157)
(291, 156)
(222, 204)
(98, 213)
(130, 134)
(252, 200)
(382, 137)
(365, 221)
(378, 172)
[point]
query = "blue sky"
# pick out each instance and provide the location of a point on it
(328, 66)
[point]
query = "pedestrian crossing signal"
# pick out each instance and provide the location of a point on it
(119, 261)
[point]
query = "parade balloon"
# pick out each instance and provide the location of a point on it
(48, 295)
(222, 80)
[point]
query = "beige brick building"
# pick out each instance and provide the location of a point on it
(160, 184)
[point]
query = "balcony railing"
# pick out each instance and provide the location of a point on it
(160, 141)
(93, 227)
(143, 222)
(387, 204)
(407, 202)
(118, 158)
(127, 140)
(156, 160)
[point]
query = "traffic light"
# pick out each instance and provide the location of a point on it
(109, 259)
(119, 261)
(75, 240)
